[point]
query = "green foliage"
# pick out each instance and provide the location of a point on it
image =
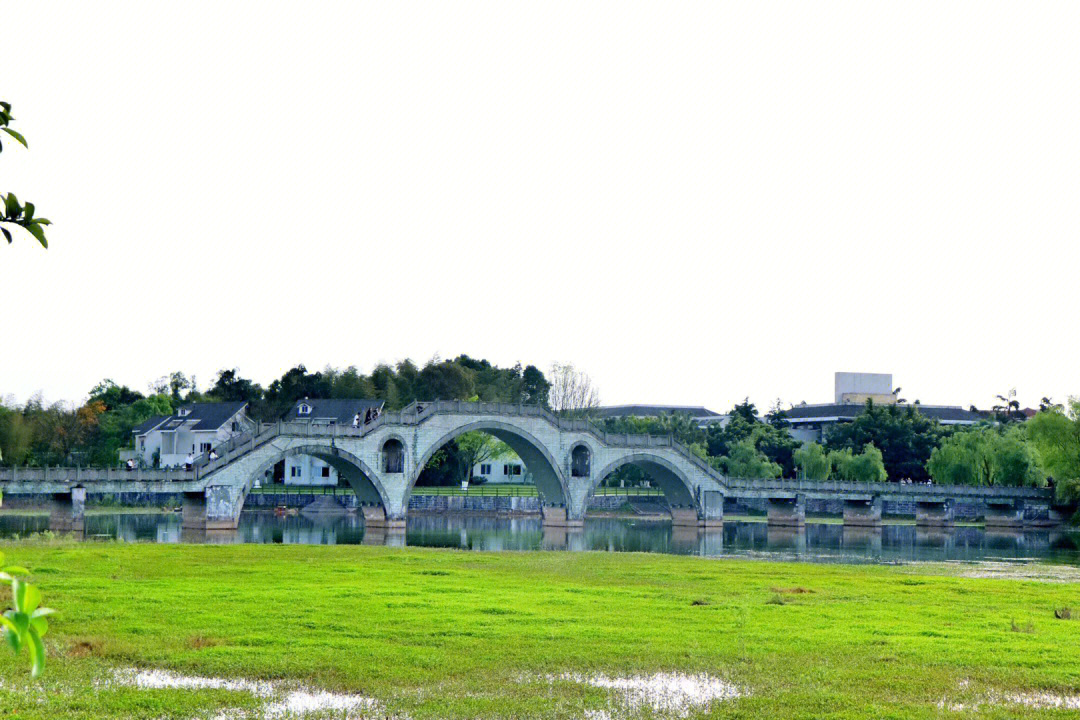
(987, 456)
(12, 212)
(476, 447)
(24, 625)
(773, 441)
(813, 462)
(866, 466)
(1055, 433)
(905, 437)
(744, 460)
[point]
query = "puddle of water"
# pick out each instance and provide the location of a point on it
(675, 694)
(1037, 700)
(281, 701)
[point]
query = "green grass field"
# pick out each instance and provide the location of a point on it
(440, 633)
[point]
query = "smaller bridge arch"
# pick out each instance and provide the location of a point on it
(541, 464)
(364, 482)
(676, 486)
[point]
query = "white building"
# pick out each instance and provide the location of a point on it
(505, 470)
(811, 423)
(170, 440)
(307, 470)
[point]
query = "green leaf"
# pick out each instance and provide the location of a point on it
(27, 597)
(13, 640)
(37, 232)
(6, 623)
(12, 206)
(28, 209)
(42, 612)
(43, 221)
(39, 624)
(16, 569)
(37, 653)
(15, 135)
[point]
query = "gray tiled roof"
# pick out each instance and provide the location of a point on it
(849, 411)
(613, 411)
(148, 425)
(340, 411)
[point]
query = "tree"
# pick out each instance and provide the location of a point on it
(987, 456)
(446, 380)
(1008, 408)
(866, 466)
(475, 447)
(775, 443)
(1055, 433)
(231, 387)
(904, 436)
(534, 387)
(746, 461)
(813, 462)
(571, 393)
(13, 213)
(777, 416)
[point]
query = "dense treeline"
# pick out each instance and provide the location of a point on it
(886, 442)
(92, 434)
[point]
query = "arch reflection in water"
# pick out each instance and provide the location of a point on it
(823, 542)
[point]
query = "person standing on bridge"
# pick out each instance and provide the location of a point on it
(356, 420)
(189, 461)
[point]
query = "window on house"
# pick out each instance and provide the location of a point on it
(515, 469)
(485, 469)
(294, 471)
(326, 472)
(235, 426)
(204, 447)
(305, 409)
(506, 469)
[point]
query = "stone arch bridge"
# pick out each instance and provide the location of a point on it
(382, 460)
(567, 459)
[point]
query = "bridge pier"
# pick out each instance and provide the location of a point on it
(787, 511)
(556, 517)
(862, 512)
(934, 513)
(1004, 514)
(67, 511)
(215, 508)
(375, 517)
(682, 517)
(712, 509)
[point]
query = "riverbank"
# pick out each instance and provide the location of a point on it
(435, 633)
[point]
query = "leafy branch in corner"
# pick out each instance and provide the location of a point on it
(11, 211)
(25, 624)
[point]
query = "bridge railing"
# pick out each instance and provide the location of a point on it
(887, 488)
(93, 474)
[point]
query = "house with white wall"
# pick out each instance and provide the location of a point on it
(169, 440)
(308, 470)
(508, 469)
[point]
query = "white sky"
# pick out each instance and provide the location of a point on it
(693, 202)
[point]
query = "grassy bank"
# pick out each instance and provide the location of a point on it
(435, 633)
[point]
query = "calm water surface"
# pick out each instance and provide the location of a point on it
(818, 542)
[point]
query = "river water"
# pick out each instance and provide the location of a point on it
(820, 542)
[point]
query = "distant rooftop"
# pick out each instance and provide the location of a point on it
(616, 411)
(196, 416)
(337, 411)
(948, 414)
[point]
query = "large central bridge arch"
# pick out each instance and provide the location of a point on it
(544, 468)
